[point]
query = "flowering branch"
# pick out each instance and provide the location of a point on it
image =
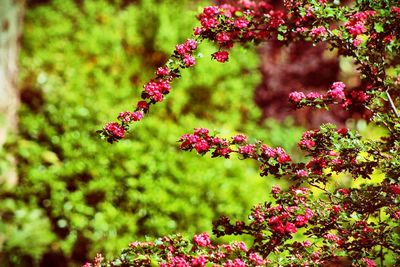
(339, 223)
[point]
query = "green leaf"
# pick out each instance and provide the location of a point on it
(378, 27)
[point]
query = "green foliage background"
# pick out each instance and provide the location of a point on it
(84, 61)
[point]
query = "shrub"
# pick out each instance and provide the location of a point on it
(355, 226)
(75, 196)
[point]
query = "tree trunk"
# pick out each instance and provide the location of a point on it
(11, 19)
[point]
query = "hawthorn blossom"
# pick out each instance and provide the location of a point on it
(369, 262)
(188, 60)
(239, 139)
(221, 56)
(319, 31)
(115, 129)
(202, 240)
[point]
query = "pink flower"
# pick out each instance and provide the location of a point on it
(301, 173)
(395, 189)
(199, 261)
(316, 255)
(369, 262)
(344, 191)
(202, 240)
(357, 42)
(201, 146)
(137, 115)
(188, 60)
(343, 131)
(258, 214)
(239, 263)
(179, 261)
(256, 259)
(219, 141)
(115, 129)
(191, 138)
(337, 91)
(306, 243)
(142, 105)
(180, 49)
(247, 149)
(211, 11)
(186, 47)
(355, 28)
(301, 29)
(97, 260)
(336, 208)
(208, 22)
(334, 238)
(221, 56)
(201, 131)
(319, 31)
(239, 139)
(274, 220)
(156, 89)
(301, 220)
(241, 23)
(276, 189)
(306, 143)
(164, 86)
(157, 96)
(308, 213)
(282, 156)
(296, 97)
(190, 44)
(338, 86)
(125, 116)
(235, 263)
(267, 151)
(337, 161)
(290, 228)
(313, 95)
(197, 31)
(396, 215)
(222, 37)
(359, 96)
(396, 10)
(241, 246)
(276, 18)
(222, 151)
(162, 71)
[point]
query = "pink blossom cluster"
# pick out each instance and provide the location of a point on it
(114, 129)
(155, 90)
(334, 238)
(202, 142)
(128, 116)
(202, 240)
(202, 252)
(335, 94)
(356, 25)
(221, 56)
(318, 31)
(284, 220)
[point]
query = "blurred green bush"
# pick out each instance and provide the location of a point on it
(84, 61)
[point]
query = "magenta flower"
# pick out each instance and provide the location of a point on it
(202, 240)
(221, 56)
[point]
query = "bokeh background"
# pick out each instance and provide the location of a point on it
(80, 63)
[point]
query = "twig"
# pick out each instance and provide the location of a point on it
(392, 104)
